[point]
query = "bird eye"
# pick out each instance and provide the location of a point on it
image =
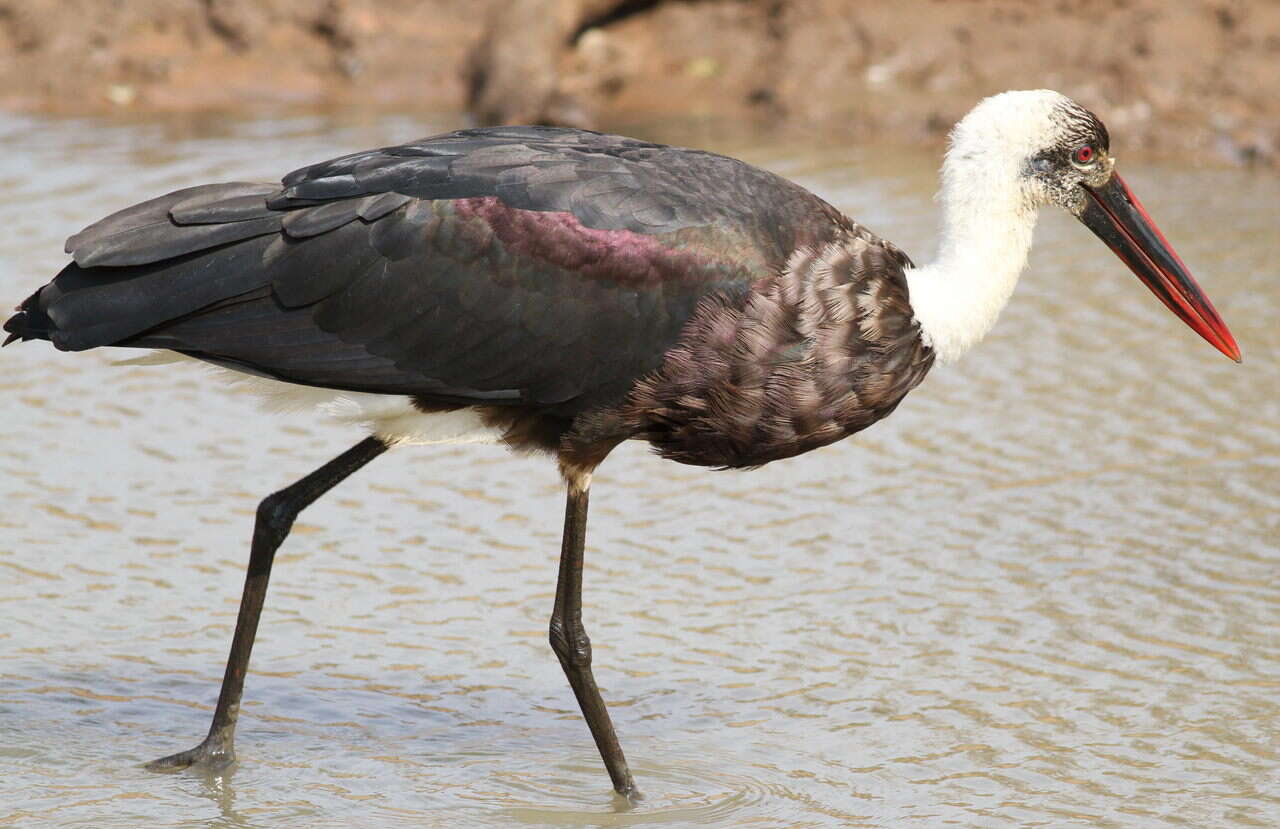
(1083, 155)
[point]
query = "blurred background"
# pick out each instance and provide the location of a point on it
(1196, 78)
(1042, 593)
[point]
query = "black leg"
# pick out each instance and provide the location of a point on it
(569, 639)
(275, 518)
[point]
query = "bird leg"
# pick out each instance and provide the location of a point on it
(569, 639)
(276, 514)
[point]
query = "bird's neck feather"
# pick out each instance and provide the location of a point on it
(987, 225)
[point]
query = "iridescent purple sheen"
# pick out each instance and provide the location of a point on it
(618, 256)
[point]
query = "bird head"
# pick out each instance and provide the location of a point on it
(1052, 151)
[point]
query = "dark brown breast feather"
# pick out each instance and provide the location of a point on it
(818, 352)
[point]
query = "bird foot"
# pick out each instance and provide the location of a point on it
(210, 754)
(630, 794)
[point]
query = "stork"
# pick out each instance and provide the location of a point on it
(561, 291)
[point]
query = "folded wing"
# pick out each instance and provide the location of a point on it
(527, 265)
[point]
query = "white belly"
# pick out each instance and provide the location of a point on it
(392, 417)
(395, 419)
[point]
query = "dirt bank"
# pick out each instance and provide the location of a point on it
(1193, 77)
(88, 56)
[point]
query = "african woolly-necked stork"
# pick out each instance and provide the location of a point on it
(562, 291)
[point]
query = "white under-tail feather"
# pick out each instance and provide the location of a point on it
(153, 358)
(392, 417)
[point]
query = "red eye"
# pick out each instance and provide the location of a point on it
(1084, 154)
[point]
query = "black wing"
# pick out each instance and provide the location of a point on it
(539, 266)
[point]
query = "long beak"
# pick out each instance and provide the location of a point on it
(1118, 218)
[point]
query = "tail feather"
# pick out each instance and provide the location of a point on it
(105, 310)
(171, 256)
(29, 323)
(150, 263)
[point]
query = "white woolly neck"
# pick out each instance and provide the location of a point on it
(988, 218)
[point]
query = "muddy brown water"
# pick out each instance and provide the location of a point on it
(1042, 593)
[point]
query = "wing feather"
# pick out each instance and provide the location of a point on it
(322, 218)
(541, 266)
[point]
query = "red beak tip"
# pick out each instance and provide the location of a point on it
(1230, 349)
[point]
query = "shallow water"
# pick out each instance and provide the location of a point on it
(1043, 593)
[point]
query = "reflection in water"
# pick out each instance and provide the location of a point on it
(1042, 593)
(217, 788)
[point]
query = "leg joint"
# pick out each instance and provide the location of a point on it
(276, 513)
(570, 642)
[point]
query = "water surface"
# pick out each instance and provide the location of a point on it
(1043, 593)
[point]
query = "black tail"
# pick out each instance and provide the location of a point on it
(30, 323)
(229, 286)
(151, 263)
